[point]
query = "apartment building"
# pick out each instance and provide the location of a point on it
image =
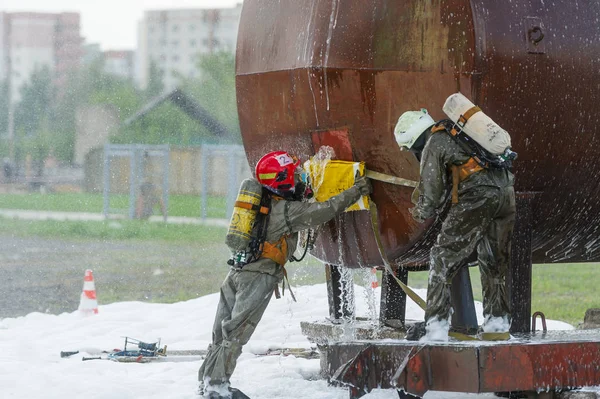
(174, 39)
(3, 47)
(30, 40)
(119, 63)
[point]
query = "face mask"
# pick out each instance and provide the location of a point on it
(302, 189)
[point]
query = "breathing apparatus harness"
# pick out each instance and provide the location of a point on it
(255, 247)
(480, 158)
(259, 247)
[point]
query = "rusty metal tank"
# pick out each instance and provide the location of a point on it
(340, 72)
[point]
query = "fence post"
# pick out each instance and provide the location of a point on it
(106, 185)
(203, 183)
(166, 170)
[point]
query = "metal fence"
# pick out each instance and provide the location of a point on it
(237, 170)
(139, 171)
(220, 169)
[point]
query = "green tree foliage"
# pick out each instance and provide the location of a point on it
(32, 117)
(34, 109)
(90, 85)
(46, 118)
(215, 90)
(156, 86)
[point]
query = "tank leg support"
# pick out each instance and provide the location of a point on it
(405, 395)
(518, 279)
(393, 299)
(340, 293)
(355, 393)
(464, 318)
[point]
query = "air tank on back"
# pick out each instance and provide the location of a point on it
(340, 72)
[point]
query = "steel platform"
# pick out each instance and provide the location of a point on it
(535, 362)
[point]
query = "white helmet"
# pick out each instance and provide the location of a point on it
(411, 125)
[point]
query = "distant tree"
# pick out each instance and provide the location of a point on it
(156, 86)
(214, 89)
(37, 96)
(87, 86)
(32, 116)
(4, 99)
(3, 107)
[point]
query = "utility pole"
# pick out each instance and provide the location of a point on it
(11, 115)
(11, 125)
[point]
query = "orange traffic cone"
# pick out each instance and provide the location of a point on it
(88, 303)
(374, 281)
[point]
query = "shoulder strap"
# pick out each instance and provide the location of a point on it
(464, 118)
(462, 140)
(286, 209)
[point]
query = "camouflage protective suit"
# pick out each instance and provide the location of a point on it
(246, 291)
(481, 221)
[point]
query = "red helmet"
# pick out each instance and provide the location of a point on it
(275, 171)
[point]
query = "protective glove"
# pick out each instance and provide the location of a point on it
(416, 214)
(363, 184)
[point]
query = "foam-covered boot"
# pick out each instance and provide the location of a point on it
(495, 328)
(232, 393)
(237, 394)
(416, 331)
(436, 330)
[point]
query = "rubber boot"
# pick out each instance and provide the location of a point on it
(237, 394)
(416, 331)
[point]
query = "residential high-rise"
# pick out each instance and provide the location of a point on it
(33, 40)
(3, 47)
(173, 40)
(119, 63)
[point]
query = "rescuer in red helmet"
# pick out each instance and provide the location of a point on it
(258, 267)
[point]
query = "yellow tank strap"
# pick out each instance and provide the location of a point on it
(460, 173)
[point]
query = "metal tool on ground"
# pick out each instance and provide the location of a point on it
(144, 353)
(128, 356)
(145, 350)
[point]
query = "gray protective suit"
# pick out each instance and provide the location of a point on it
(246, 291)
(482, 221)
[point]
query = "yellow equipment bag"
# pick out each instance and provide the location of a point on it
(331, 177)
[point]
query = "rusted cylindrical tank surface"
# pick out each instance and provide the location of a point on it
(340, 72)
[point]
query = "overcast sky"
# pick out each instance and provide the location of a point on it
(112, 23)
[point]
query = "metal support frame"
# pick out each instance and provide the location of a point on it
(519, 279)
(534, 362)
(392, 308)
(393, 301)
(464, 318)
(340, 294)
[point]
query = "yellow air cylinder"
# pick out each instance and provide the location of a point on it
(247, 206)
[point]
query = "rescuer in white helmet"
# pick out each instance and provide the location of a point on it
(477, 202)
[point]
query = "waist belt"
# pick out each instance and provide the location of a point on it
(278, 253)
(461, 173)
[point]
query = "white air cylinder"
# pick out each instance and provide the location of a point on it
(479, 127)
